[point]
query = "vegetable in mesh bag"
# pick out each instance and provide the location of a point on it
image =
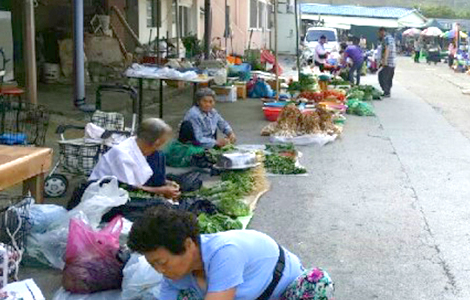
(359, 108)
(91, 258)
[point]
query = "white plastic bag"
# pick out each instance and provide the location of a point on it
(41, 216)
(49, 248)
(62, 294)
(99, 198)
(320, 139)
(141, 281)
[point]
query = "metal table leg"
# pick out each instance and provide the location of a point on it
(161, 99)
(141, 100)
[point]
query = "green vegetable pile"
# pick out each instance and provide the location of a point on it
(339, 81)
(307, 82)
(140, 194)
(359, 108)
(214, 154)
(216, 223)
(281, 148)
(228, 195)
(355, 93)
(365, 93)
(278, 164)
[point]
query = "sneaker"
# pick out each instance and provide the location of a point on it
(386, 95)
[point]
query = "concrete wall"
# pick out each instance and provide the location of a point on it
(286, 31)
(240, 25)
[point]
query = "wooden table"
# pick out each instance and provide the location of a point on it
(27, 165)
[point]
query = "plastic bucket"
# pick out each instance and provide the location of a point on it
(51, 72)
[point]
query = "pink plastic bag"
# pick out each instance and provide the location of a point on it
(91, 262)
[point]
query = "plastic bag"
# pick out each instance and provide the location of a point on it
(359, 108)
(100, 197)
(320, 139)
(91, 258)
(62, 294)
(49, 248)
(141, 281)
(41, 216)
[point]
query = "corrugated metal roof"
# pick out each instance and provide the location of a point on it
(356, 11)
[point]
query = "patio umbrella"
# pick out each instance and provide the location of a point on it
(411, 32)
(451, 34)
(432, 31)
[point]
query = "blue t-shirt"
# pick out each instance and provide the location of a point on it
(241, 259)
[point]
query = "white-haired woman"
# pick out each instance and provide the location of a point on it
(201, 122)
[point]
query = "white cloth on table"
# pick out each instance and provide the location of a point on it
(126, 162)
(137, 70)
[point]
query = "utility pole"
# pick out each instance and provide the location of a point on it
(207, 28)
(30, 52)
(296, 7)
(178, 28)
(79, 54)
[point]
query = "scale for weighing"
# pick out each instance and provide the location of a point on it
(237, 161)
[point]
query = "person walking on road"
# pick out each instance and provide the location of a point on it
(417, 48)
(321, 54)
(452, 52)
(387, 61)
(355, 54)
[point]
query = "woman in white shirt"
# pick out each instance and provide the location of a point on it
(321, 54)
(138, 162)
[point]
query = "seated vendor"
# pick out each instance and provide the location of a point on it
(138, 162)
(201, 122)
(231, 265)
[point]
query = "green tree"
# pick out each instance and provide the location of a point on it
(437, 11)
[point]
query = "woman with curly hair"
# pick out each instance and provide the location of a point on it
(231, 265)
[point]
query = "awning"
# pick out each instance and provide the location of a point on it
(346, 22)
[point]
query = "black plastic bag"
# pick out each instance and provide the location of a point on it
(188, 182)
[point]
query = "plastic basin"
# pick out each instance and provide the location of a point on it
(271, 113)
(275, 104)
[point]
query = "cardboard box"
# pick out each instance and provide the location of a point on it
(225, 93)
(241, 90)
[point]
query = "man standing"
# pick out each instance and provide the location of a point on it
(387, 61)
(321, 54)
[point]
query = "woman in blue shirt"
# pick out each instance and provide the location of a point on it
(202, 121)
(232, 265)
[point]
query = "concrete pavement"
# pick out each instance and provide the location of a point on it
(384, 207)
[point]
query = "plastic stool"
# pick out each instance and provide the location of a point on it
(12, 92)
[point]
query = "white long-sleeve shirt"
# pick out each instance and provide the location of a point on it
(126, 162)
(320, 50)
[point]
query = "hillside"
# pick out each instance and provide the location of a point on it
(456, 4)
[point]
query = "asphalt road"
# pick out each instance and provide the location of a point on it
(384, 208)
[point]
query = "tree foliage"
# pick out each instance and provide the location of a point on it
(442, 11)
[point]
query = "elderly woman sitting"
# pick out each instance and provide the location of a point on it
(138, 161)
(231, 265)
(201, 122)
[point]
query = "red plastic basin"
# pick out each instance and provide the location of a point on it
(271, 113)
